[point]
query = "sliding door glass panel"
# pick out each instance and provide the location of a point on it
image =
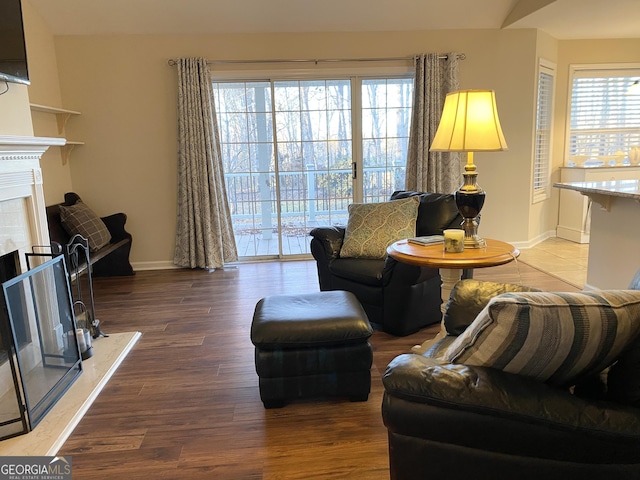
(386, 118)
(313, 138)
(287, 148)
(246, 141)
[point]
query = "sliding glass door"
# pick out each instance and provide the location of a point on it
(386, 117)
(297, 152)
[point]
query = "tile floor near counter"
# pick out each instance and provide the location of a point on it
(561, 258)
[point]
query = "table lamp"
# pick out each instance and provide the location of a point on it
(469, 123)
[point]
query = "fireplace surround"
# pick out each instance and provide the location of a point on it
(23, 220)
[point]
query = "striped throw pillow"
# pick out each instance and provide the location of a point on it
(553, 337)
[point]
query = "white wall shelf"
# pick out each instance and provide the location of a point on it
(62, 116)
(66, 150)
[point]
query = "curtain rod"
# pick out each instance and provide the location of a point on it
(172, 62)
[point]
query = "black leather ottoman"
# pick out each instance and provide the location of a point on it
(311, 345)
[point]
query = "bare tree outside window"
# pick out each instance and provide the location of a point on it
(289, 154)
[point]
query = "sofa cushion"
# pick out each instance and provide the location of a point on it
(80, 219)
(372, 227)
(436, 212)
(552, 337)
(469, 297)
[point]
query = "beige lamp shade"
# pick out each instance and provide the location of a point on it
(469, 123)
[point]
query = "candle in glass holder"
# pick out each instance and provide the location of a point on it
(453, 240)
(81, 343)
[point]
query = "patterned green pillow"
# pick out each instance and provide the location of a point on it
(80, 219)
(552, 337)
(372, 227)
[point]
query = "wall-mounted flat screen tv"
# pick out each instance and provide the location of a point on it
(13, 52)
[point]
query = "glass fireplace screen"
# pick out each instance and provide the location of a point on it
(41, 357)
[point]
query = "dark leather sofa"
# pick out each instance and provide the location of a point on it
(399, 298)
(466, 421)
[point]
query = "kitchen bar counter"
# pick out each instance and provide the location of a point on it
(614, 250)
(616, 188)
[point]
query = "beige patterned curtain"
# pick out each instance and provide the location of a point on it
(204, 233)
(436, 172)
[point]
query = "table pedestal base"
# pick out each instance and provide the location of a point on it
(449, 277)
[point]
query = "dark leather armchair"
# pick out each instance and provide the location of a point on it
(399, 298)
(484, 423)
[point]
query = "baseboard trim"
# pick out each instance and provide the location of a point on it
(534, 241)
(571, 234)
(161, 265)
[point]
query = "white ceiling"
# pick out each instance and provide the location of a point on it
(563, 19)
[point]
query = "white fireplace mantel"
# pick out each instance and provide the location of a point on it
(26, 148)
(23, 219)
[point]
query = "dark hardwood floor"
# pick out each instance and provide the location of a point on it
(185, 404)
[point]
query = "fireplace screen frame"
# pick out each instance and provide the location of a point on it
(45, 369)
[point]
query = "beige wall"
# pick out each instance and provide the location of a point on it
(45, 90)
(15, 117)
(127, 95)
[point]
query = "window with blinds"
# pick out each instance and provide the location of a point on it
(605, 113)
(544, 119)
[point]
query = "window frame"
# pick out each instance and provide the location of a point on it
(582, 70)
(541, 161)
(356, 75)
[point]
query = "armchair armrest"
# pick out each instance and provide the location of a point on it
(399, 273)
(486, 408)
(326, 242)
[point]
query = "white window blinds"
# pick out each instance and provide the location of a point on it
(544, 118)
(605, 114)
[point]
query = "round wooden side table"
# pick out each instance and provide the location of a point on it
(494, 253)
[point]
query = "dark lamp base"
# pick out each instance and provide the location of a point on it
(469, 205)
